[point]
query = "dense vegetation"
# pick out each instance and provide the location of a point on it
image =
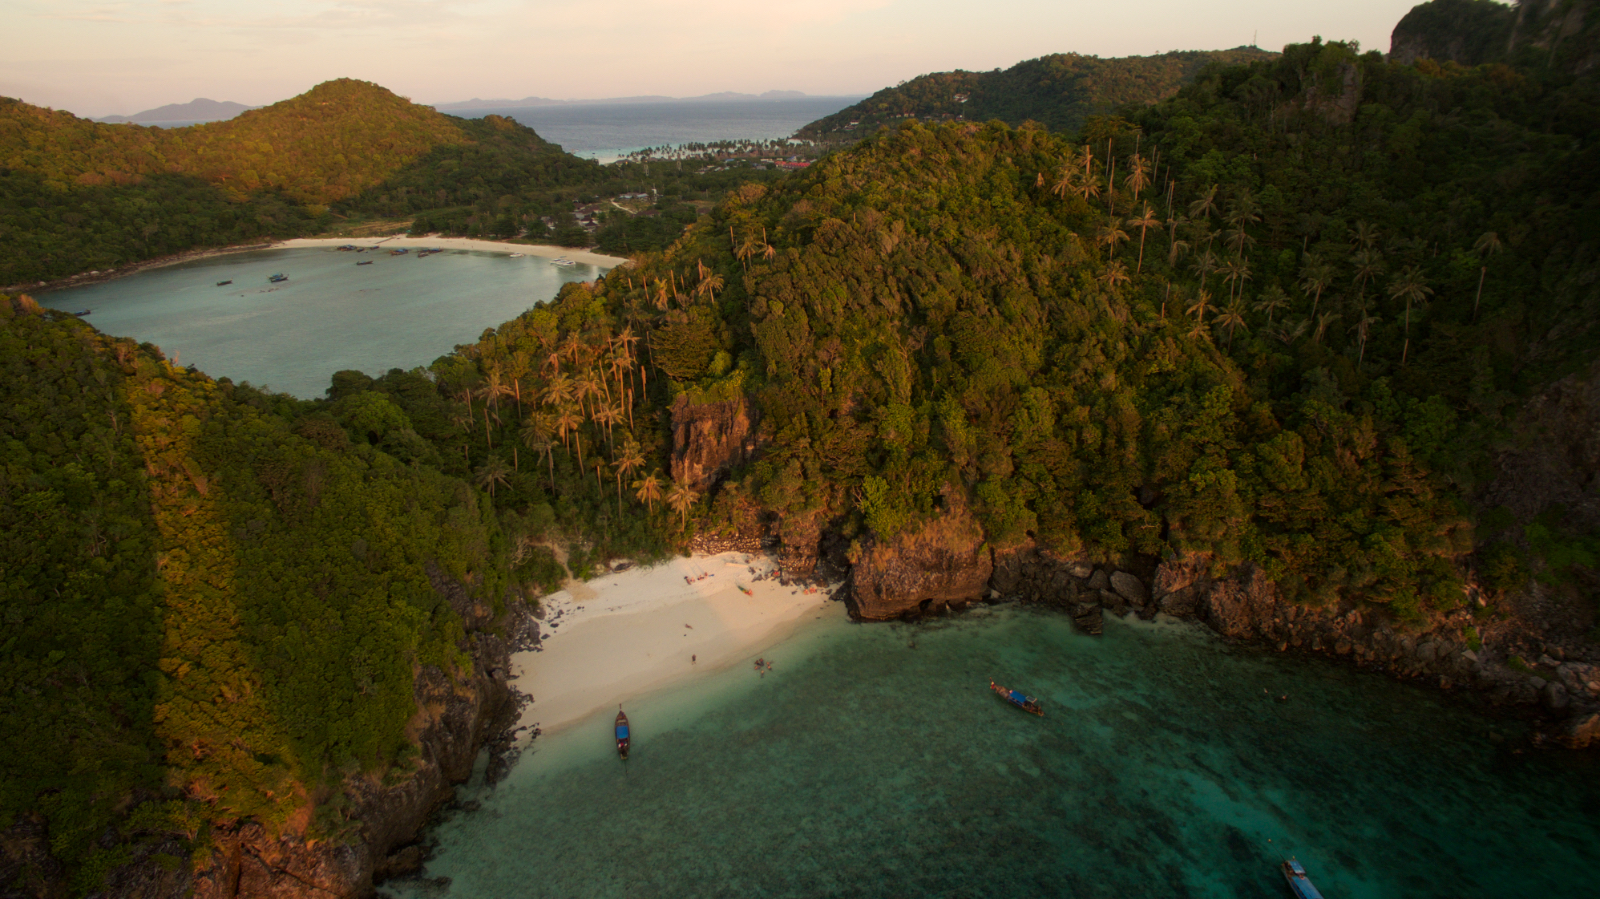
(1280, 319)
(215, 601)
(77, 195)
(1059, 91)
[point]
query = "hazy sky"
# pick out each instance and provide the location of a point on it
(103, 57)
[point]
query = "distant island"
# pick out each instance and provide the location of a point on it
(722, 96)
(193, 112)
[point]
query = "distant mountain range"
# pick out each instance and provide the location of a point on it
(477, 103)
(197, 110)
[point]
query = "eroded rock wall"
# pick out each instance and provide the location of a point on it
(941, 561)
(709, 438)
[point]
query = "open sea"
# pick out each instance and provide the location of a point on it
(331, 315)
(874, 762)
(607, 131)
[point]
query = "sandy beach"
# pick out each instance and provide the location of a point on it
(457, 243)
(626, 634)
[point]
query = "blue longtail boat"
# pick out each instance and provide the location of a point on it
(622, 734)
(1299, 883)
(1018, 699)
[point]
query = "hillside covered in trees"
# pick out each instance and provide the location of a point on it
(219, 605)
(1059, 91)
(77, 195)
(1285, 321)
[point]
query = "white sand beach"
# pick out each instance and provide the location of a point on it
(457, 243)
(623, 635)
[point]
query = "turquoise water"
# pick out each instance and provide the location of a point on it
(873, 761)
(331, 315)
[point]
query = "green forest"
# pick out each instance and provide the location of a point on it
(1059, 91)
(79, 196)
(1282, 318)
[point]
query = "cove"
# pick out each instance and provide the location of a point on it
(873, 761)
(331, 315)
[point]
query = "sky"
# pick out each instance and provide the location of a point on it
(118, 57)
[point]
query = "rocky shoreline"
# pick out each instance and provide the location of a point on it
(1501, 656)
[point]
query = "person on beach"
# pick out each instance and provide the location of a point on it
(691, 658)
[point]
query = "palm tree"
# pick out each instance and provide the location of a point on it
(607, 416)
(631, 458)
(535, 435)
(1234, 273)
(1315, 277)
(1143, 222)
(1323, 321)
(494, 471)
(648, 489)
(1486, 245)
(517, 368)
(1206, 205)
(682, 498)
(1363, 328)
(568, 420)
(1287, 334)
(1368, 265)
(558, 390)
(1364, 236)
(1200, 306)
(1138, 175)
(1410, 286)
(1114, 275)
(1068, 174)
(1204, 265)
(1232, 317)
(1272, 299)
(1109, 235)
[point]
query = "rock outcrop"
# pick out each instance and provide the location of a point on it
(922, 568)
(709, 438)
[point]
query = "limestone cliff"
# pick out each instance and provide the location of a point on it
(709, 438)
(938, 562)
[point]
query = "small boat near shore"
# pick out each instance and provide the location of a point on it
(516, 255)
(365, 262)
(278, 278)
(82, 314)
(1299, 883)
(1018, 698)
(623, 738)
(224, 283)
(562, 261)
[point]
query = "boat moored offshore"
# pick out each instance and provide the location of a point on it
(1299, 883)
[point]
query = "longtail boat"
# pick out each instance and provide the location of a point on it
(1018, 699)
(622, 734)
(1299, 883)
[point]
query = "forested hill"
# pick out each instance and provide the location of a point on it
(1554, 38)
(1059, 91)
(329, 143)
(77, 195)
(1280, 321)
(222, 610)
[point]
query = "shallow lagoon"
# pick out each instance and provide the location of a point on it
(331, 315)
(873, 761)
